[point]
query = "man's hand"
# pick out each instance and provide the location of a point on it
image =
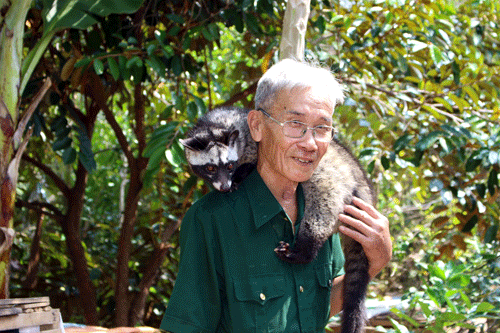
(371, 231)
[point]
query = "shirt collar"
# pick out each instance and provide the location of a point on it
(263, 204)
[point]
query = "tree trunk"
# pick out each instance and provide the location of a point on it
(294, 29)
(124, 248)
(12, 144)
(76, 251)
(150, 274)
(137, 166)
(31, 278)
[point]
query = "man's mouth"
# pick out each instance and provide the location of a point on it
(303, 161)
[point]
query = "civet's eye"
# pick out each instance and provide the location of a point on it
(230, 166)
(211, 168)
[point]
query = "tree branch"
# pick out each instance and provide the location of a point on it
(122, 140)
(60, 184)
(241, 95)
(41, 207)
(29, 112)
(139, 118)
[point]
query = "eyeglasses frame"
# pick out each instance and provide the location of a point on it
(282, 124)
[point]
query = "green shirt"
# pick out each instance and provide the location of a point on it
(230, 279)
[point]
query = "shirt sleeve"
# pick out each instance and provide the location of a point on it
(195, 304)
(339, 260)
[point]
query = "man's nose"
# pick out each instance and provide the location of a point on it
(308, 141)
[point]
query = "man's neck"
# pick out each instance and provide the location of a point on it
(285, 191)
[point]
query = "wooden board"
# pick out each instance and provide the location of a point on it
(9, 302)
(10, 311)
(33, 305)
(47, 319)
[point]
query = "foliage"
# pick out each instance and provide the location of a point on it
(423, 103)
(455, 294)
(147, 83)
(422, 113)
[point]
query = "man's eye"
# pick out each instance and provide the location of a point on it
(323, 129)
(211, 168)
(295, 124)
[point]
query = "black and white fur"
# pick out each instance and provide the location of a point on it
(220, 150)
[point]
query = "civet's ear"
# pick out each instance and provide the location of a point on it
(194, 143)
(255, 124)
(231, 138)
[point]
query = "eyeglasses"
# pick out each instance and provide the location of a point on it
(297, 129)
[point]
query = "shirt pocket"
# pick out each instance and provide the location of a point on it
(324, 275)
(260, 301)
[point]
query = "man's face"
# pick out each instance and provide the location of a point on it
(294, 159)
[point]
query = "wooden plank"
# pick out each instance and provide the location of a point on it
(55, 330)
(16, 301)
(30, 319)
(34, 305)
(32, 329)
(10, 311)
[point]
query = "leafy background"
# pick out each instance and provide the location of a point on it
(104, 169)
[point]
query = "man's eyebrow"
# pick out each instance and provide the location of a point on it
(295, 113)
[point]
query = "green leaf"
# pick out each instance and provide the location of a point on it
(83, 62)
(428, 140)
(404, 316)
(435, 54)
(399, 327)
(472, 94)
(472, 163)
(98, 66)
(320, 24)
(470, 224)
(69, 155)
(417, 45)
(492, 181)
(157, 65)
(77, 14)
(386, 162)
(192, 111)
(455, 68)
(62, 131)
(201, 105)
(114, 68)
(437, 271)
(62, 143)
(452, 316)
(207, 34)
(177, 65)
(484, 307)
(176, 18)
(160, 138)
(434, 111)
(402, 142)
(491, 234)
(174, 30)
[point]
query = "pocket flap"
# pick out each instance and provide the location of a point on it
(324, 273)
(260, 288)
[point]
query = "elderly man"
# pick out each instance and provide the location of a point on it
(229, 279)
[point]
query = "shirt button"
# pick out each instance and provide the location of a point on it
(301, 289)
(262, 296)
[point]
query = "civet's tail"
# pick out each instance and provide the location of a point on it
(356, 281)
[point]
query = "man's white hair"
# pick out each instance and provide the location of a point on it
(289, 74)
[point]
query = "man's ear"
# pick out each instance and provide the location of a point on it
(255, 124)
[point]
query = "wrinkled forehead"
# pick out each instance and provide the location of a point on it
(316, 98)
